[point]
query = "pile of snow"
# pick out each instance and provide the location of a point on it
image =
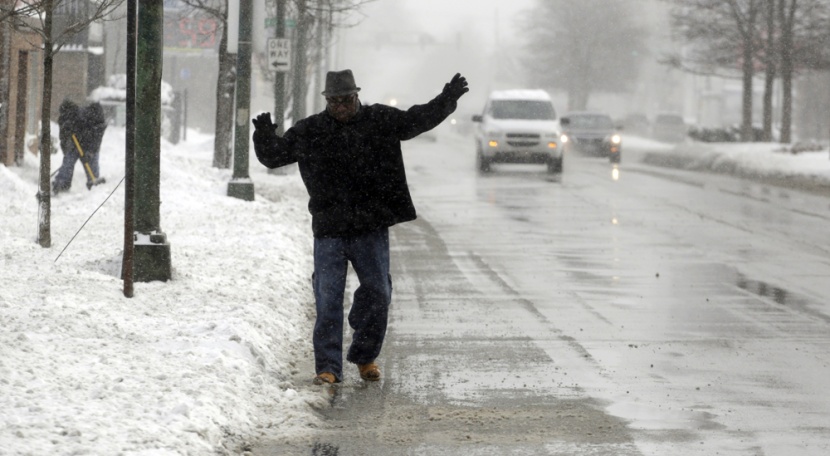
(770, 160)
(197, 365)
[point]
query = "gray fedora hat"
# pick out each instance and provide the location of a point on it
(340, 83)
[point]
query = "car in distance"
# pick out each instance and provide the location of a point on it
(593, 134)
(636, 123)
(669, 127)
(518, 126)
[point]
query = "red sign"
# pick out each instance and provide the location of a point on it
(186, 33)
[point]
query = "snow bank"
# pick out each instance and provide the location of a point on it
(197, 365)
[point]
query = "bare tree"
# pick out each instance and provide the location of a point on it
(795, 37)
(225, 82)
(325, 14)
(38, 17)
(720, 33)
(5, 64)
(583, 46)
(746, 14)
(805, 32)
(769, 55)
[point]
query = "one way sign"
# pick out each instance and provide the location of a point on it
(279, 54)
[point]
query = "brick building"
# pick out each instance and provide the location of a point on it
(20, 90)
(77, 68)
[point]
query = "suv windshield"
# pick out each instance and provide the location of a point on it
(592, 122)
(523, 109)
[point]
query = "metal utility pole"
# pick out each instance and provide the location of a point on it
(279, 78)
(241, 185)
(152, 252)
(128, 261)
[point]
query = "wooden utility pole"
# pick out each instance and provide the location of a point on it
(279, 78)
(225, 85)
(298, 86)
(128, 261)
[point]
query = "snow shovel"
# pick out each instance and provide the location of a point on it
(85, 160)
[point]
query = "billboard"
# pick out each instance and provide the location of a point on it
(189, 30)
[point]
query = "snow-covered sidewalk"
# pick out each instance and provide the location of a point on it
(193, 366)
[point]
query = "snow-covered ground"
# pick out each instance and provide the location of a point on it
(750, 160)
(205, 362)
(191, 366)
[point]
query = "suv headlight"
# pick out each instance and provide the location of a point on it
(616, 139)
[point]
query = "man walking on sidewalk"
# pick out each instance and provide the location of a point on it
(350, 160)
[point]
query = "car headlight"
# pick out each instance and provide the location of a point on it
(563, 139)
(616, 139)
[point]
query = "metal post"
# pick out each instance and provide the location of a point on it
(184, 114)
(241, 185)
(152, 252)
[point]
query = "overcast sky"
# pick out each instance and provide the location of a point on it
(385, 54)
(444, 17)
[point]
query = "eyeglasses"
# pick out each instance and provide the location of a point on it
(344, 100)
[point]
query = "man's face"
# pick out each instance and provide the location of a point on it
(342, 108)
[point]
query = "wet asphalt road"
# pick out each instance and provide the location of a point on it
(626, 310)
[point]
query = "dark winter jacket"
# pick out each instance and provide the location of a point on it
(354, 172)
(93, 123)
(87, 124)
(68, 121)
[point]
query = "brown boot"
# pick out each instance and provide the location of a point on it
(369, 372)
(325, 378)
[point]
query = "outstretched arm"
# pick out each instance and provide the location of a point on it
(421, 118)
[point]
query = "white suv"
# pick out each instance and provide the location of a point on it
(518, 126)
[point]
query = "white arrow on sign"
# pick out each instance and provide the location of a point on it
(279, 54)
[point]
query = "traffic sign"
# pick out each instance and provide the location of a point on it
(271, 22)
(279, 54)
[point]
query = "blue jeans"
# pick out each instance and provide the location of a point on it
(369, 256)
(63, 180)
